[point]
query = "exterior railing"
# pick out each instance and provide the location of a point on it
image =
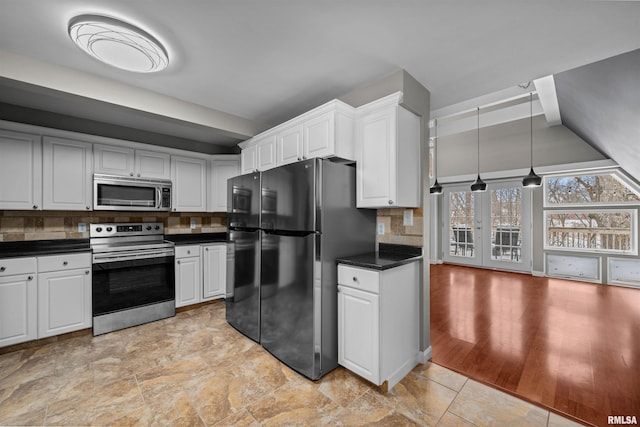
(617, 239)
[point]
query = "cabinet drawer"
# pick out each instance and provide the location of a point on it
(187, 251)
(11, 266)
(64, 262)
(359, 278)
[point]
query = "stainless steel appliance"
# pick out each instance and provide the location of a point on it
(133, 275)
(308, 218)
(243, 256)
(130, 194)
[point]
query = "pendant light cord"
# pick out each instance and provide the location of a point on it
(531, 127)
(478, 141)
(435, 146)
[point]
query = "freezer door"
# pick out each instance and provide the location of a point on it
(289, 295)
(243, 303)
(243, 201)
(289, 197)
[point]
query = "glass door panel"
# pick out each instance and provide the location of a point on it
(462, 240)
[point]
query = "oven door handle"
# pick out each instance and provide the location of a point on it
(102, 258)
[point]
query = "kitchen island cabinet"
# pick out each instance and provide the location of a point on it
(379, 321)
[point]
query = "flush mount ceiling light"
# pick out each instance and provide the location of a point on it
(479, 185)
(531, 180)
(118, 43)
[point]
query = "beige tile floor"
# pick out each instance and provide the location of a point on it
(194, 369)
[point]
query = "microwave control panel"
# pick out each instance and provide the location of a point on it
(166, 198)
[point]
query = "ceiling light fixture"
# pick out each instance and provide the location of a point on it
(118, 43)
(436, 188)
(479, 185)
(531, 180)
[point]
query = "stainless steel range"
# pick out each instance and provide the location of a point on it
(133, 275)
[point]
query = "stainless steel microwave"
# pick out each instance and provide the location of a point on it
(121, 193)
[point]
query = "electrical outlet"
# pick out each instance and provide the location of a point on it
(381, 228)
(408, 218)
(193, 224)
(82, 227)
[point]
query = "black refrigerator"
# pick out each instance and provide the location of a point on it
(244, 253)
(308, 219)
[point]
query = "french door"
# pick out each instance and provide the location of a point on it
(490, 229)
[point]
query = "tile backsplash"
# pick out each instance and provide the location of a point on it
(45, 225)
(394, 230)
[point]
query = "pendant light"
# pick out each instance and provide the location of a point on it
(479, 185)
(437, 188)
(531, 180)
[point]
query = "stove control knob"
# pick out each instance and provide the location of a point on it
(99, 229)
(157, 227)
(148, 227)
(109, 228)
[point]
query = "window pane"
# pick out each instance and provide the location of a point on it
(599, 230)
(462, 215)
(506, 206)
(588, 189)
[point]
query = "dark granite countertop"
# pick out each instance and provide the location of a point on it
(387, 256)
(196, 239)
(29, 248)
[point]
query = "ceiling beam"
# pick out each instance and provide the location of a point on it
(546, 88)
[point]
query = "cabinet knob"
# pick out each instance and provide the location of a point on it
(35, 206)
(390, 202)
(65, 262)
(130, 173)
(2, 269)
(304, 157)
(355, 279)
(87, 271)
(88, 208)
(299, 158)
(178, 261)
(138, 175)
(188, 252)
(30, 278)
(206, 249)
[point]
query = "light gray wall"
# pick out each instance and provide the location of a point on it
(506, 147)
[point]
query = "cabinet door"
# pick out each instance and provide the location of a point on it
(64, 302)
(215, 271)
(376, 159)
(319, 136)
(113, 160)
(359, 333)
(249, 160)
(267, 153)
(20, 165)
(67, 177)
(290, 145)
(18, 305)
(149, 164)
(188, 281)
(221, 171)
(189, 176)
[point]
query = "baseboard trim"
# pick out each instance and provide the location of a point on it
(425, 355)
(537, 273)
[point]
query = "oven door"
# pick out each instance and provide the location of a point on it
(132, 282)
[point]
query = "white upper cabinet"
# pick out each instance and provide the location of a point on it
(290, 145)
(388, 148)
(67, 174)
(21, 166)
(123, 161)
(326, 131)
(221, 170)
(189, 177)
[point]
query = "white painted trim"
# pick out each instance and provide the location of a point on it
(484, 101)
(540, 170)
(536, 273)
(546, 88)
(425, 355)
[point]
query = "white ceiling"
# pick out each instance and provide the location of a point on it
(268, 61)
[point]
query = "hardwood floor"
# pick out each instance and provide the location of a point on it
(572, 347)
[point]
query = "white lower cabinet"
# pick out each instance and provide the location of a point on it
(18, 300)
(64, 294)
(188, 275)
(379, 322)
(201, 273)
(214, 266)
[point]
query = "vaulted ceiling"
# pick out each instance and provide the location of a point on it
(238, 66)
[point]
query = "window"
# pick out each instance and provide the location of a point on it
(595, 222)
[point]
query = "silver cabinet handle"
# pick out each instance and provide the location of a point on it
(2, 269)
(30, 278)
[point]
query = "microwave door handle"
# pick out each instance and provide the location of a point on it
(159, 198)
